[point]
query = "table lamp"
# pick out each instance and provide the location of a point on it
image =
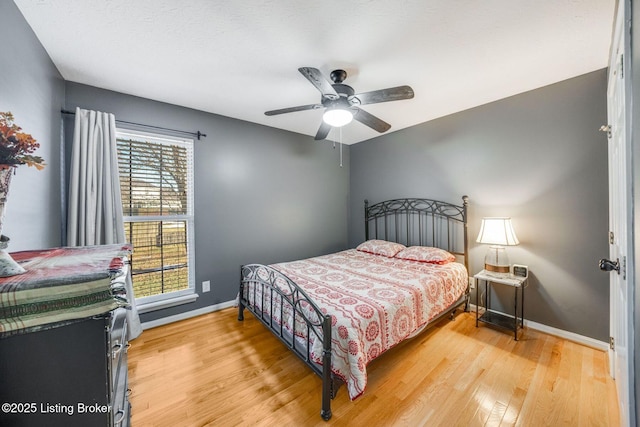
(498, 233)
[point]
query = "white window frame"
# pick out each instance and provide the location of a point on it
(184, 296)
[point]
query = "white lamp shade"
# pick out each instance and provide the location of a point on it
(497, 231)
(337, 117)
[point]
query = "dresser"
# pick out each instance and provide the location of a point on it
(63, 339)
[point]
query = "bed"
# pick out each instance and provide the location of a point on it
(340, 311)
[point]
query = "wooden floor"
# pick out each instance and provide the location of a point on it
(214, 370)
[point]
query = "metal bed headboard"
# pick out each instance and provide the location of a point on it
(421, 222)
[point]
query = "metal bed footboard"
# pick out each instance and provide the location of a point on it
(267, 293)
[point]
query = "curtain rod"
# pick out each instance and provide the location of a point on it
(197, 134)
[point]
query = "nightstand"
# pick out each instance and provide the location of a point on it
(492, 317)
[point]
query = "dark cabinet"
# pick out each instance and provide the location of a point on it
(63, 338)
(74, 375)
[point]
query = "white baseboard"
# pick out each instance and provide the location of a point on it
(187, 315)
(580, 339)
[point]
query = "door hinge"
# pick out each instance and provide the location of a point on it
(611, 237)
(623, 267)
(612, 343)
(607, 129)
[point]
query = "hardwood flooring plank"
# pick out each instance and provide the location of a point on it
(214, 370)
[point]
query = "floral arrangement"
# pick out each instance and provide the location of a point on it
(16, 147)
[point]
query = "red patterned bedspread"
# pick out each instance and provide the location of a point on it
(376, 302)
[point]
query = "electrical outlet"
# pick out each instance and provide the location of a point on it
(472, 283)
(206, 286)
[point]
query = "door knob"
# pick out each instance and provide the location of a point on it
(608, 265)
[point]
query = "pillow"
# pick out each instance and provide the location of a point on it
(381, 247)
(426, 254)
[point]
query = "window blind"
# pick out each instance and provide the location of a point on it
(153, 178)
(157, 197)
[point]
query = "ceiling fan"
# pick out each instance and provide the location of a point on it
(341, 102)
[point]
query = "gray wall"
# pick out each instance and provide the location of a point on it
(537, 157)
(261, 194)
(33, 90)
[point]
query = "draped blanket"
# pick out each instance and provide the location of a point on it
(61, 284)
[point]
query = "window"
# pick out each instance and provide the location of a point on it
(156, 181)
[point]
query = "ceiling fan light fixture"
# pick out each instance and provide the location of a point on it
(342, 103)
(337, 117)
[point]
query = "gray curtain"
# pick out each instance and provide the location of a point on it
(95, 208)
(94, 216)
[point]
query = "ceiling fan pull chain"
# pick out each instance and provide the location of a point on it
(340, 147)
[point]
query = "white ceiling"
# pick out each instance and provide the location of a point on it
(240, 58)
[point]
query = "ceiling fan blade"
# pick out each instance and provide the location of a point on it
(382, 95)
(323, 131)
(320, 82)
(293, 109)
(370, 120)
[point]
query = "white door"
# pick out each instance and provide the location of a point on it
(619, 356)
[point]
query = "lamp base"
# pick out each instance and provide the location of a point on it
(498, 272)
(496, 261)
(496, 268)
